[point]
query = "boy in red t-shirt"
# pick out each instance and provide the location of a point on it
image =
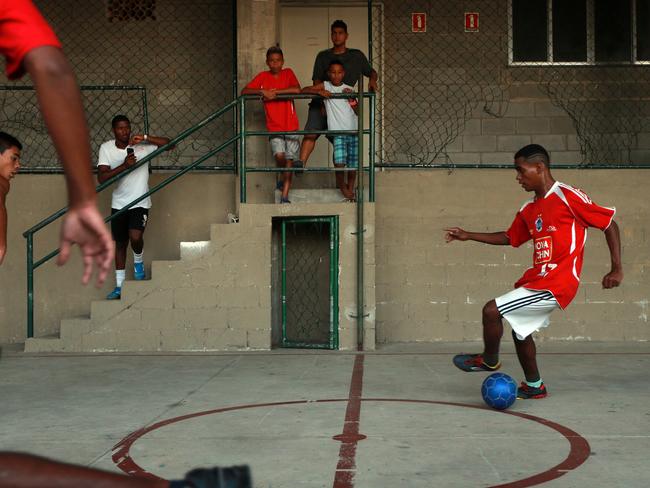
(556, 220)
(280, 114)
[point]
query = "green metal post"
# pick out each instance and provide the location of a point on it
(334, 282)
(30, 285)
(242, 150)
(360, 177)
(371, 175)
(284, 282)
(235, 91)
(145, 110)
(371, 169)
(370, 32)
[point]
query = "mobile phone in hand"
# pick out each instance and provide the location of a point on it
(129, 151)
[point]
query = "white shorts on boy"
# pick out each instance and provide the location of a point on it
(526, 310)
(288, 145)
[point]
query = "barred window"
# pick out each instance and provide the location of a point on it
(579, 31)
(123, 10)
(642, 25)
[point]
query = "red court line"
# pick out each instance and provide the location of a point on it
(346, 467)
(121, 451)
(578, 454)
(579, 447)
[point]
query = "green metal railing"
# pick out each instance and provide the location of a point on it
(29, 234)
(239, 136)
(244, 133)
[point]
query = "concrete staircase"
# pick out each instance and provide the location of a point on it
(217, 297)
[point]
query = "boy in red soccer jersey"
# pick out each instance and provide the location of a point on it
(556, 219)
(280, 114)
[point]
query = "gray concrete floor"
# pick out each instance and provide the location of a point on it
(77, 408)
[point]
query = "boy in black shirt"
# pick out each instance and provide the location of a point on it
(354, 63)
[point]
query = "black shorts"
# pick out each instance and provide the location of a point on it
(316, 117)
(134, 218)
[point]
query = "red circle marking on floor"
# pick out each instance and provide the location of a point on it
(578, 454)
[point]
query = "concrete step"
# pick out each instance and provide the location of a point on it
(134, 290)
(227, 231)
(194, 250)
(103, 310)
(73, 329)
(321, 195)
(44, 344)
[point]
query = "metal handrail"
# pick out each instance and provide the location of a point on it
(309, 96)
(29, 234)
(239, 137)
(146, 159)
(370, 131)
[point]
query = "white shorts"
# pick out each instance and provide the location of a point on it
(288, 145)
(526, 310)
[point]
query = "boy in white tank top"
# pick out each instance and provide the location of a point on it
(341, 115)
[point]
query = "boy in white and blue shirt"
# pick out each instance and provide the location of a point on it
(341, 115)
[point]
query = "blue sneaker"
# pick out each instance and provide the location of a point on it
(138, 271)
(116, 294)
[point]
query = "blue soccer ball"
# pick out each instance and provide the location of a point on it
(499, 391)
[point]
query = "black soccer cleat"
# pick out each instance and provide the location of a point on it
(527, 392)
(233, 477)
(473, 363)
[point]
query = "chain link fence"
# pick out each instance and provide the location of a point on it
(165, 64)
(307, 278)
(471, 81)
(466, 84)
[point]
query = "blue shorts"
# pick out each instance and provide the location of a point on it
(346, 151)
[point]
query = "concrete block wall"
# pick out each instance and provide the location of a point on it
(218, 295)
(261, 212)
(424, 289)
(487, 139)
(428, 290)
(180, 212)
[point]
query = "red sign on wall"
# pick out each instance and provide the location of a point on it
(471, 21)
(418, 22)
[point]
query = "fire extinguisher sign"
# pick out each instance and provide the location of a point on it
(471, 21)
(418, 22)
